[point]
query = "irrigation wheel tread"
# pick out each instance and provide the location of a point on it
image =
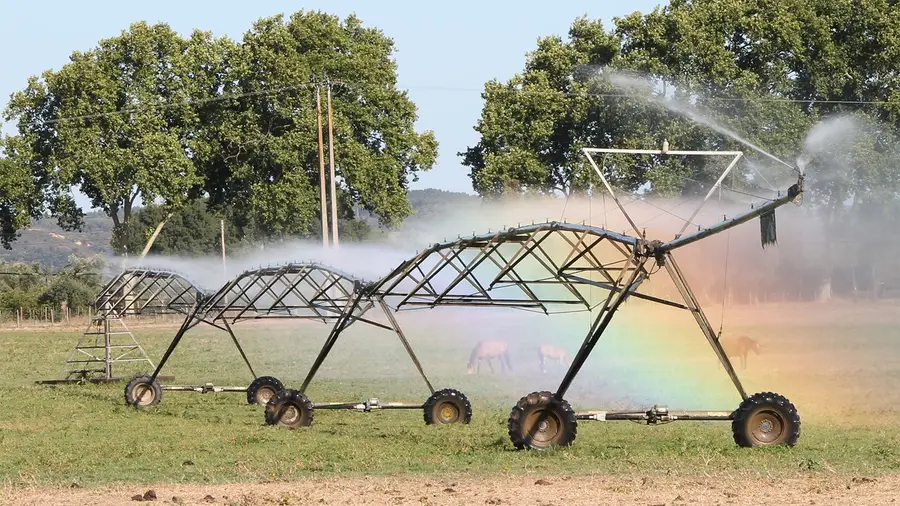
(766, 410)
(291, 404)
(262, 389)
(137, 390)
(561, 424)
(447, 406)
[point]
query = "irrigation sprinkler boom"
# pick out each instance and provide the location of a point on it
(146, 291)
(297, 290)
(539, 266)
(306, 291)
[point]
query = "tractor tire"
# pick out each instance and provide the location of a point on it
(540, 421)
(262, 389)
(289, 408)
(142, 391)
(765, 419)
(447, 406)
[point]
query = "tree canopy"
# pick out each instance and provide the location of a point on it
(814, 82)
(770, 70)
(265, 161)
(155, 116)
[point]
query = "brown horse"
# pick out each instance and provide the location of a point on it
(738, 347)
(549, 352)
(489, 350)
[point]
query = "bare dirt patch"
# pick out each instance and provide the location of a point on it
(535, 489)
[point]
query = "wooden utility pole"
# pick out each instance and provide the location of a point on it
(334, 215)
(322, 170)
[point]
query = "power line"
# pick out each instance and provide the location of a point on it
(553, 93)
(637, 95)
(219, 98)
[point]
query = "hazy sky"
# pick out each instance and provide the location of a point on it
(444, 53)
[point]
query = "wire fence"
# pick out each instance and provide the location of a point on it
(51, 317)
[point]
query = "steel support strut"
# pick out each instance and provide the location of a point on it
(343, 322)
(710, 333)
(617, 298)
(185, 326)
(240, 349)
(409, 350)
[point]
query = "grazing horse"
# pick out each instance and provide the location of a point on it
(489, 350)
(548, 352)
(738, 347)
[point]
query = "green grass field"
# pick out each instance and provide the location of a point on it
(840, 372)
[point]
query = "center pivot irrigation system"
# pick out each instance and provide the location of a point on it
(549, 267)
(307, 291)
(539, 267)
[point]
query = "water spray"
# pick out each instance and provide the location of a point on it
(623, 81)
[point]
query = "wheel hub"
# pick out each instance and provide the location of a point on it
(545, 427)
(767, 427)
(290, 414)
(145, 394)
(448, 413)
(264, 395)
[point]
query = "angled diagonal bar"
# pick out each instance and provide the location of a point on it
(292, 289)
(525, 250)
(519, 282)
(712, 190)
(136, 297)
(577, 254)
(467, 271)
(633, 258)
(240, 349)
(428, 286)
(605, 316)
(409, 350)
(611, 192)
(128, 288)
(793, 193)
(172, 296)
(342, 323)
(435, 270)
(110, 289)
(185, 326)
(555, 270)
(707, 329)
(637, 295)
(254, 283)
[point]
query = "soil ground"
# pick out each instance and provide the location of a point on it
(519, 490)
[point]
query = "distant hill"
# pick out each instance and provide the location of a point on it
(47, 243)
(50, 245)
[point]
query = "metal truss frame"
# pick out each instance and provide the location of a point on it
(132, 292)
(538, 267)
(308, 291)
(147, 291)
(489, 270)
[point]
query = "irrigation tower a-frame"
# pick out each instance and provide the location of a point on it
(108, 342)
